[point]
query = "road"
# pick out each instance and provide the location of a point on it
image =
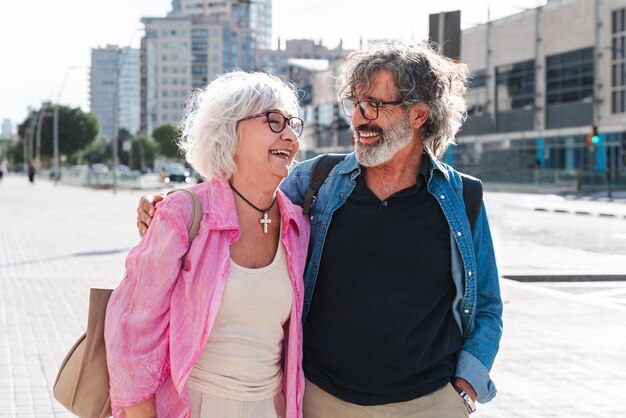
(562, 352)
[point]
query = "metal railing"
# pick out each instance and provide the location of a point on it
(88, 178)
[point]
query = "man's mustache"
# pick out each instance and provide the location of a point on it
(369, 128)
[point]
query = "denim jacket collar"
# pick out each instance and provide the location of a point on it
(350, 164)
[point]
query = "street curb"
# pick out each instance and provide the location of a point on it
(567, 278)
(580, 212)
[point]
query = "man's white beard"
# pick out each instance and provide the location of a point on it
(392, 140)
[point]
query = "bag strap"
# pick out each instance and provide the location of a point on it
(196, 216)
(321, 170)
(472, 197)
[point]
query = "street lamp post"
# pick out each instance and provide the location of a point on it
(57, 164)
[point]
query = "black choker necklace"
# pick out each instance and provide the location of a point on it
(265, 220)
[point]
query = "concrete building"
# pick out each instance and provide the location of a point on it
(276, 61)
(129, 90)
(542, 80)
(7, 128)
(115, 69)
(311, 67)
(195, 42)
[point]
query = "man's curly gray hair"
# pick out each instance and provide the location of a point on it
(421, 75)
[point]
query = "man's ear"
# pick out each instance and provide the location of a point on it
(418, 115)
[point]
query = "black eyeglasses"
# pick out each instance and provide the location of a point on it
(278, 122)
(369, 109)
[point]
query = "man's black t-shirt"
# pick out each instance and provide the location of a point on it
(380, 328)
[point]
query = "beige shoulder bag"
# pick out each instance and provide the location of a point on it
(82, 384)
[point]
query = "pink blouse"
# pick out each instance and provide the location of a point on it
(160, 316)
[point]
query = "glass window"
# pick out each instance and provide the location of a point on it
(569, 76)
(199, 34)
(515, 86)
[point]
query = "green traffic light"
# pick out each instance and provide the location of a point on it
(595, 139)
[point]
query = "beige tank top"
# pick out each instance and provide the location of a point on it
(242, 358)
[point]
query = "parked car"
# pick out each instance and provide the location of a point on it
(100, 168)
(176, 172)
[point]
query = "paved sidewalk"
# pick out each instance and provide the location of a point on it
(562, 353)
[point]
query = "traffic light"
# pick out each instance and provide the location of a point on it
(593, 138)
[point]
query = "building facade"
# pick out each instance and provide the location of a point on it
(115, 71)
(197, 41)
(547, 92)
(7, 129)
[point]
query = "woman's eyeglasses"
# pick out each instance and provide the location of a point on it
(278, 122)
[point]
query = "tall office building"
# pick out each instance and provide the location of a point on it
(195, 42)
(129, 92)
(115, 69)
(7, 129)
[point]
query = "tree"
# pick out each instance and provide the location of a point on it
(97, 152)
(77, 129)
(122, 136)
(17, 155)
(144, 152)
(165, 136)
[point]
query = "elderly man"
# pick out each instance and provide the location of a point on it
(402, 312)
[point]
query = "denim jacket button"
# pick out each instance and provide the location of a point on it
(469, 273)
(459, 233)
(342, 195)
(442, 197)
(466, 311)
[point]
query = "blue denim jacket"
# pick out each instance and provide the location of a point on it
(477, 307)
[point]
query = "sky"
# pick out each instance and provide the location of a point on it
(44, 42)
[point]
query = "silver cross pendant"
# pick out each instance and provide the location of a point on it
(265, 220)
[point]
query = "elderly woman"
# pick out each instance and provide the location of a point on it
(221, 336)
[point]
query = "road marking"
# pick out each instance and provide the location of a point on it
(614, 304)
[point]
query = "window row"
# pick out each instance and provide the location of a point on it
(174, 33)
(174, 93)
(172, 105)
(174, 45)
(618, 101)
(173, 69)
(173, 81)
(174, 57)
(618, 20)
